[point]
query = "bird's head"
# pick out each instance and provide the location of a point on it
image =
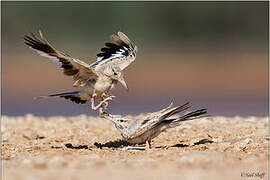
(116, 74)
(120, 122)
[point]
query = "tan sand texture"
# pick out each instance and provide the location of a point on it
(85, 147)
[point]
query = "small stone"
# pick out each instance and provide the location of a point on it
(247, 141)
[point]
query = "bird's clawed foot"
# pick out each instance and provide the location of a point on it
(146, 147)
(104, 103)
(134, 148)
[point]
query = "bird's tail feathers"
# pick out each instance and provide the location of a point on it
(58, 95)
(189, 116)
(174, 110)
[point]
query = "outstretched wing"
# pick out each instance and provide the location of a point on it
(82, 73)
(120, 53)
(154, 119)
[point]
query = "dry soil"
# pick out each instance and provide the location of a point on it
(85, 147)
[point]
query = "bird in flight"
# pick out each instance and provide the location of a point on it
(143, 129)
(96, 79)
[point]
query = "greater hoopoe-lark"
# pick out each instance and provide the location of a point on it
(96, 79)
(143, 129)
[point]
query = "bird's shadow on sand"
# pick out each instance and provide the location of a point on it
(69, 145)
(113, 144)
(122, 144)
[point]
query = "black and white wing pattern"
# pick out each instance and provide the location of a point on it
(82, 73)
(120, 53)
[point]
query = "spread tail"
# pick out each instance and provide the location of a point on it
(73, 96)
(167, 112)
(193, 115)
(189, 116)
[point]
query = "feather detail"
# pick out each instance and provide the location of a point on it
(124, 39)
(82, 72)
(76, 96)
(120, 53)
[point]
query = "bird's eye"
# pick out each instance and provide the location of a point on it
(121, 120)
(114, 73)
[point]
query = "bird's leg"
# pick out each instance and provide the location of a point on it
(105, 102)
(147, 147)
(101, 103)
(105, 105)
(100, 110)
(102, 106)
(148, 144)
(93, 103)
(134, 148)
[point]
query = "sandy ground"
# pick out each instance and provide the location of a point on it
(86, 148)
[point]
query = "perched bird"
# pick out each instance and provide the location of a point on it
(96, 79)
(143, 129)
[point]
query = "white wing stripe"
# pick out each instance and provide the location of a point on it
(52, 58)
(101, 61)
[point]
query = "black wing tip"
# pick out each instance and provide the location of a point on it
(37, 43)
(32, 36)
(184, 106)
(187, 104)
(110, 49)
(109, 44)
(114, 46)
(31, 41)
(202, 110)
(199, 112)
(100, 54)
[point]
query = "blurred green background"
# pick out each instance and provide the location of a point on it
(213, 54)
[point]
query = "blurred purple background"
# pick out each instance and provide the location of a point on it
(212, 54)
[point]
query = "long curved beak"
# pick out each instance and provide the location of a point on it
(106, 116)
(123, 82)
